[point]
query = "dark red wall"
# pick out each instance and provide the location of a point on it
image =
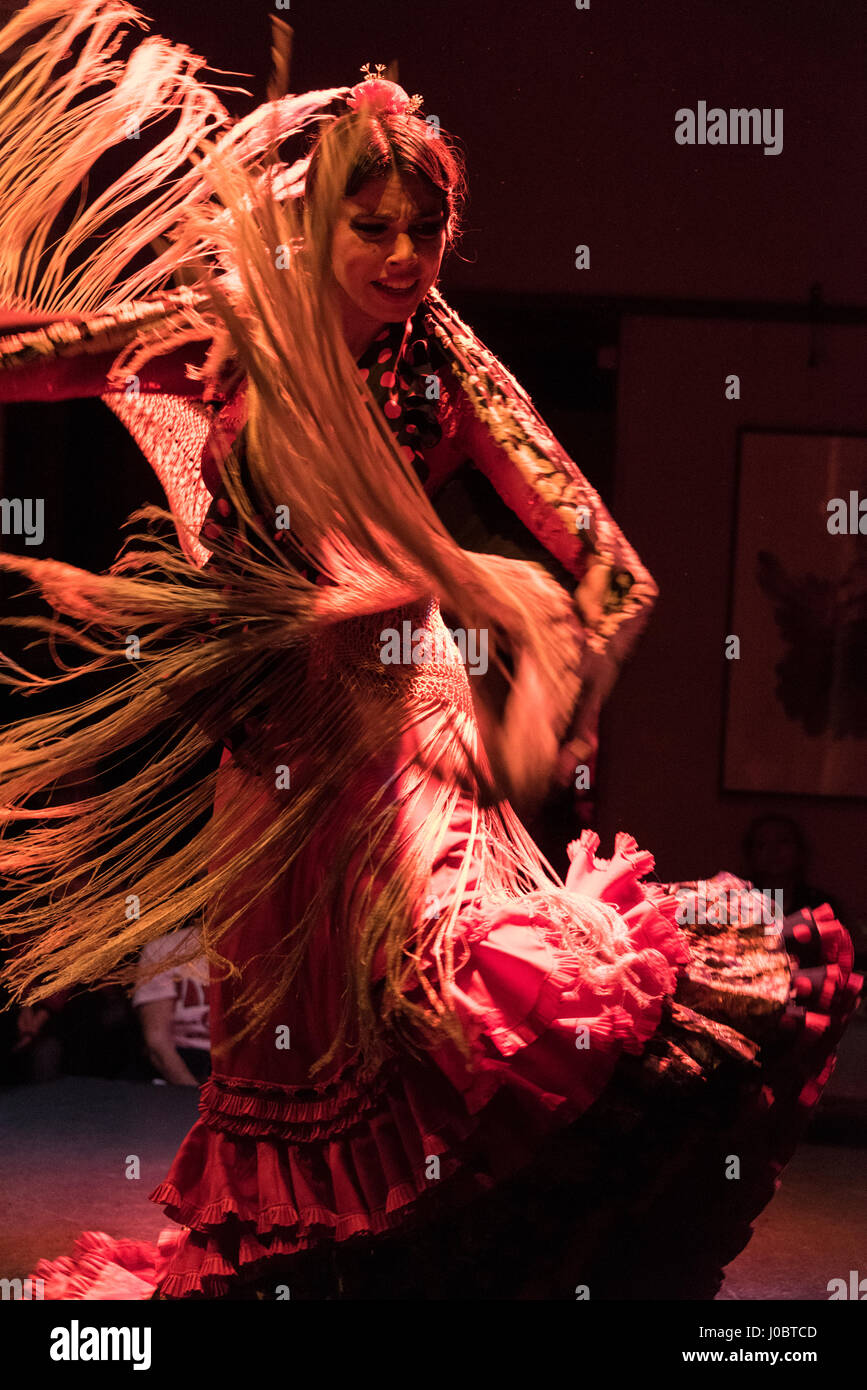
(675, 469)
(568, 121)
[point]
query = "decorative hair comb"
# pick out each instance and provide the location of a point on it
(380, 96)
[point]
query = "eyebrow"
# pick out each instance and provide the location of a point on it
(389, 217)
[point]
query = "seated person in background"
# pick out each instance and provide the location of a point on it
(776, 855)
(85, 1030)
(173, 1010)
(38, 1050)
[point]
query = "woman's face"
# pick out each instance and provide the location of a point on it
(386, 253)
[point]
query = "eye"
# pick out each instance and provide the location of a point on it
(371, 229)
(430, 228)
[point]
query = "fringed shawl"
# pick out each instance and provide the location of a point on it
(290, 628)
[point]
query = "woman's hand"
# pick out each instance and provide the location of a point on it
(518, 735)
(522, 722)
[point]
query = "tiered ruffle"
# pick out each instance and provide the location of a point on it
(290, 1167)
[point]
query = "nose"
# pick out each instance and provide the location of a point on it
(403, 251)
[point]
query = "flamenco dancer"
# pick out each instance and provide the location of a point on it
(440, 1071)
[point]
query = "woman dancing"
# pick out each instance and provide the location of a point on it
(439, 1070)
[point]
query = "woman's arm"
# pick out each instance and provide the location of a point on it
(507, 441)
(65, 357)
(156, 1021)
(22, 320)
(45, 357)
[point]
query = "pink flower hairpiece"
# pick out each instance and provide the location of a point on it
(380, 96)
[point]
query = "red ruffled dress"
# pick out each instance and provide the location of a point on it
(620, 1063)
(589, 1146)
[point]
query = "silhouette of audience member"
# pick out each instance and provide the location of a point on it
(85, 1031)
(776, 856)
(37, 1052)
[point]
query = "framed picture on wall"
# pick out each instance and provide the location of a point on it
(796, 707)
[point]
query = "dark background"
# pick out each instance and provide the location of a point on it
(567, 118)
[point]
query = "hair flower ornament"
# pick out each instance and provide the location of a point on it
(381, 97)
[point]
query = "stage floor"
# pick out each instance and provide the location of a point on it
(66, 1147)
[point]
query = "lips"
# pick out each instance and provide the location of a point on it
(396, 290)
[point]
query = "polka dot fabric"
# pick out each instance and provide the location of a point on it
(401, 368)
